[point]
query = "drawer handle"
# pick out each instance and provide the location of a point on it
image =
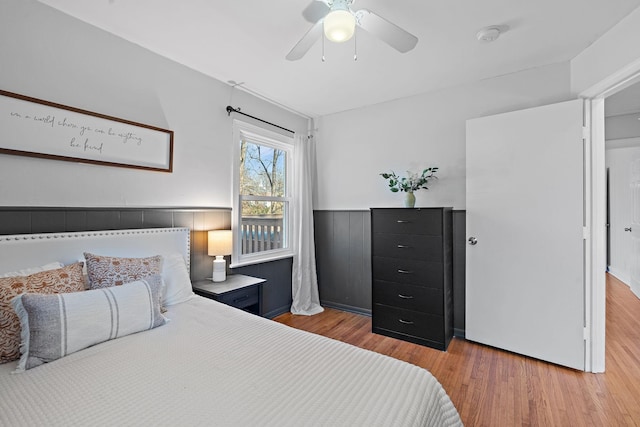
(403, 247)
(403, 221)
(242, 298)
(401, 271)
(405, 296)
(405, 322)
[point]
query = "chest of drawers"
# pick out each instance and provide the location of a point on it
(412, 274)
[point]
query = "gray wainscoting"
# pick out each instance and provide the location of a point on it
(276, 292)
(30, 220)
(343, 259)
(459, 259)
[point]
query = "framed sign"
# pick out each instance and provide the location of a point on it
(36, 128)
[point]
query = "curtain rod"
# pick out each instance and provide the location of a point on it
(230, 110)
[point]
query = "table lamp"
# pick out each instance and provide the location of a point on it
(220, 244)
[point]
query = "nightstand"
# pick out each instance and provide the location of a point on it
(240, 291)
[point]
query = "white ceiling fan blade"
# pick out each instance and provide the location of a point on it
(316, 10)
(386, 31)
(305, 42)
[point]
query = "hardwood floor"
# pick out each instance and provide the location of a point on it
(490, 387)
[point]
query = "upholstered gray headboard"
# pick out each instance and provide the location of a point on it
(31, 250)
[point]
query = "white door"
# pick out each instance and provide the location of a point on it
(634, 228)
(524, 274)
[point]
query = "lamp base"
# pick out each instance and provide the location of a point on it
(219, 269)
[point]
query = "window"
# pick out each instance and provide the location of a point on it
(262, 194)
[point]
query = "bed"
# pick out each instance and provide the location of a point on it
(209, 364)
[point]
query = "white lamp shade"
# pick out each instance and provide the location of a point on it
(339, 25)
(220, 242)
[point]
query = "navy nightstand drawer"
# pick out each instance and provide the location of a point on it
(239, 291)
(241, 298)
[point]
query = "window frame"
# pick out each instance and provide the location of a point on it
(261, 136)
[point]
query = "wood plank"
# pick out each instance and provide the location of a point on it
(357, 282)
(491, 387)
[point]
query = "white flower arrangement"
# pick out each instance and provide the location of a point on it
(412, 182)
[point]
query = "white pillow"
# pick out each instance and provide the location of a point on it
(33, 270)
(55, 325)
(177, 284)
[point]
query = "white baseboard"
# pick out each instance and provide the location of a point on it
(621, 276)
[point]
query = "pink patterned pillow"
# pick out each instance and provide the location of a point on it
(106, 271)
(61, 280)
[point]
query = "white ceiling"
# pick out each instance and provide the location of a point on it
(247, 40)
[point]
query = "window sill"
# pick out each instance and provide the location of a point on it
(261, 260)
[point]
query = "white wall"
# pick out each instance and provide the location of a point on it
(617, 50)
(48, 55)
(354, 147)
(624, 126)
(619, 163)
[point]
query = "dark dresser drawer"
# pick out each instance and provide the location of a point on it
(407, 246)
(407, 221)
(408, 322)
(409, 297)
(419, 273)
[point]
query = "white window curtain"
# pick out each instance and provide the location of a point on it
(306, 299)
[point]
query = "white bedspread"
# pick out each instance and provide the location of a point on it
(215, 365)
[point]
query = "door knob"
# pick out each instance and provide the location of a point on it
(473, 241)
(627, 229)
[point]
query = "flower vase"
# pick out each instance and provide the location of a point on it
(409, 199)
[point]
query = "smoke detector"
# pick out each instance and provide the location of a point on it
(489, 34)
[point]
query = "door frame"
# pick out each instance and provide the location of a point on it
(595, 212)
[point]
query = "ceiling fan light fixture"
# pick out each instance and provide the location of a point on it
(339, 25)
(335, 21)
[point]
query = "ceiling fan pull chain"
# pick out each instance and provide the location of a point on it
(355, 46)
(322, 47)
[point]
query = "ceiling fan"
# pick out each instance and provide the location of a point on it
(338, 22)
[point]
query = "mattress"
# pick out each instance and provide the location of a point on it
(215, 365)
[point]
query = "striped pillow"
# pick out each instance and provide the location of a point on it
(54, 326)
